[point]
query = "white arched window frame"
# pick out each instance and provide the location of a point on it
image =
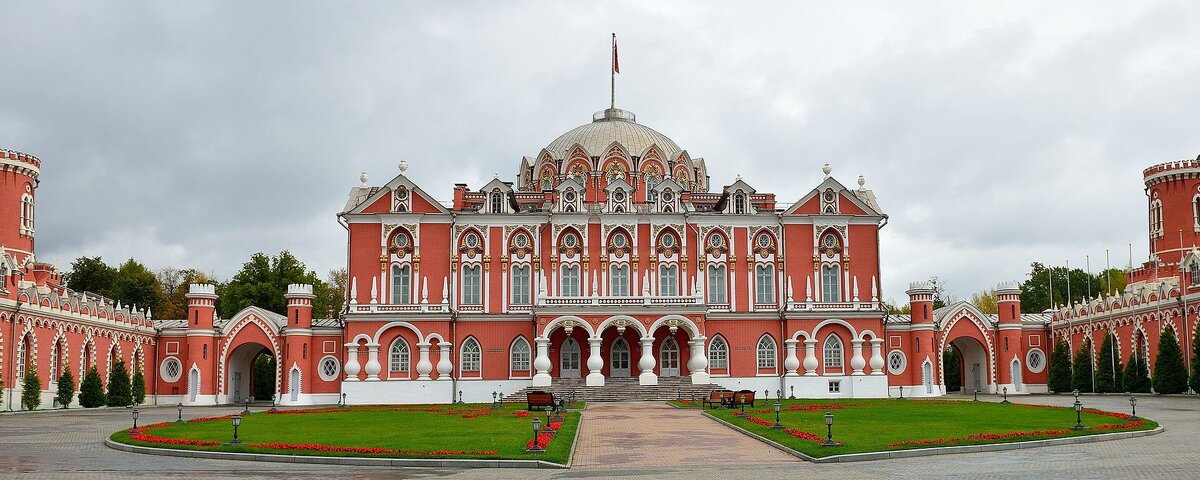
(831, 282)
(472, 284)
(718, 353)
(401, 284)
(1156, 218)
(739, 203)
(399, 358)
(54, 360)
(521, 284)
(618, 280)
(766, 354)
(519, 358)
(1196, 213)
(718, 291)
(470, 358)
(497, 200)
(764, 284)
(23, 358)
(569, 281)
(832, 352)
(668, 280)
(27, 213)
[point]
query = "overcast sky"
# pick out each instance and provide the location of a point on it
(192, 134)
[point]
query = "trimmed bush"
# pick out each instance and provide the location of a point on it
(120, 391)
(139, 387)
(1136, 377)
(1170, 375)
(1060, 367)
(91, 390)
(31, 389)
(1196, 361)
(1108, 369)
(66, 388)
(1081, 375)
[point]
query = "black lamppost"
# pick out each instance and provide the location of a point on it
(766, 396)
(135, 429)
(778, 394)
(1133, 405)
(460, 397)
(693, 402)
(1078, 419)
(793, 389)
(273, 409)
(829, 431)
(494, 398)
(344, 405)
(777, 425)
(537, 426)
(549, 429)
(976, 398)
(247, 410)
(743, 413)
(902, 392)
(1005, 395)
(237, 421)
(1076, 392)
(180, 408)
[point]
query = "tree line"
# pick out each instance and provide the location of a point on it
(1075, 372)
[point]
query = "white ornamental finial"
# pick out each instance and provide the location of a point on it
(739, 178)
(862, 182)
(403, 166)
(363, 178)
(826, 169)
(496, 175)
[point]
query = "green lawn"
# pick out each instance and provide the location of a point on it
(404, 431)
(892, 424)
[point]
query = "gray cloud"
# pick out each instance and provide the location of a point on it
(189, 134)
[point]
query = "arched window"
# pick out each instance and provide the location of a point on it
(619, 280)
(497, 201)
(519, 356)
(520, 285)
(718, 354)
(831, 284)
(569, 283)
(53, 362)
(739, 204)
(668, 280)
(766, 353)
(470, 356)
(399, 356)
(716, 285)
(401, 284)
(23, 358)
(833, 353)
(764, 284)
(27, 213)
(472, 291)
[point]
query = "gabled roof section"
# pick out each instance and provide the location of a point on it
(278, 321)
(618, 183)
(809, 204)
(954, 309)
(569, 182)
(422, 202)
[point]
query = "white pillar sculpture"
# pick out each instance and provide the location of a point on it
(857, 362)
(424, 366)
(791, 364)
(646, 363)
(541, 363)
(352, 366)
(698, 361)
(372, 367)
(595, 364)
(444, 366)
(810, 357)
(877, 356)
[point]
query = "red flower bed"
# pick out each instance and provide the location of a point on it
(144, 437)
(521, 414)
(1003, 436)
(543, 440)
(367, 450)
(812, 437)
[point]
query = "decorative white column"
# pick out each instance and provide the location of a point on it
(372, 368)
(352, 367)
(810, 357)
(791, 363)
(541, 363)
(424, 366)
(857, 362)
(698, 361)
(595, 363)
(646, 363)
(444, 367)
(877, 356)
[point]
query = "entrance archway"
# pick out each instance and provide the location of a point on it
(974, 369)
(241, 367)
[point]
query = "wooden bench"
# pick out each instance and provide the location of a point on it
(717, 397)
(539, 400)
(739, 398)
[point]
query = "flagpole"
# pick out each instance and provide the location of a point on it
(612, 73)
(1087, 259)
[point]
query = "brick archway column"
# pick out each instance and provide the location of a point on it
(595, 363)
(646, 363)
(541, 363)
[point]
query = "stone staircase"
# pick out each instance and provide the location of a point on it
(621, 390)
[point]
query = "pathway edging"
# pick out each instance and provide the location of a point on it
(924, 452)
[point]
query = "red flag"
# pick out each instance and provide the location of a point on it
(616, 66)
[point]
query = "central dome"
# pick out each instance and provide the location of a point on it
(608, 126)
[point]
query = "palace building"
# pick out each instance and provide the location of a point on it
(610, 266)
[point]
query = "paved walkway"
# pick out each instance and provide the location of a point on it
(67, 445)
(624, 435)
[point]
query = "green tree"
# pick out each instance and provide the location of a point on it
(31, 389)
(1108, 373)
(1081, 376)
(174, 283)
(986, 301)
(940, 297)
(263, 281)
(1136, 377)
(337, 283)
(134, 284)
(139, 387)
(66, 387)
(120, 392)
(951, 369)
(1112, 281)
(264, 376)
(1170, 374)
(1060, 367)
(91, 389)
(1035, 292)
(1195, 380)
(91, 274)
